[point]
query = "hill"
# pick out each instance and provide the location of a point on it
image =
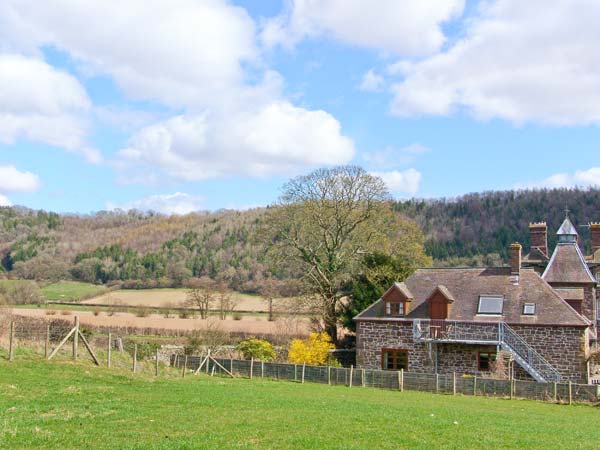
(153, 250)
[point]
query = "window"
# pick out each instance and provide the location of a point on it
(394, 308)
(529, 309)
(394, 359)
(484, 360)
(490, 304)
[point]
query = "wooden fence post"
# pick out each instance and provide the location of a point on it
(184, 366)
(76, 338)
(11, 344)
(362, 377)
(295, 373)
(475, 386)
(156, 366)
(570, 392)
(108, 350)
(453, 383)
(329, 375)
(251, 367)
(511, 387)
(262, 369)
(401, 380)
(175, 360)
(134, 357)
(303, 368)
(555, 392)
(47, 343)
(231, 365)
(351, 371)
(437, 383)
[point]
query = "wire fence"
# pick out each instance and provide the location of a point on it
(153, 357)
(394, 380)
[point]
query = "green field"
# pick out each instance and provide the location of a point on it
(71, 291)
(66, 405)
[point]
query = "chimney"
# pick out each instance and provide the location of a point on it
(515, 258)
(595, 233)
(539, 236)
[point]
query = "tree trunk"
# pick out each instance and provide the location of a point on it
(330, 320)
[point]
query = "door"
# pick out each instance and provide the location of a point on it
(439, 310)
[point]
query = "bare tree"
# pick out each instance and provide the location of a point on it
(201, 294)
(269, 289)
(323, 223)
(225, 299)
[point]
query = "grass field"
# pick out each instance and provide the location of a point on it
(70, 291)
(66, 405)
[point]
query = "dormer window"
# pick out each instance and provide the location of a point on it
(396, 300)
(490, 304)
(529, 309)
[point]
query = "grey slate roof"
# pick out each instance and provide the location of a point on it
(466, 285)
(568, 265)
(567, 229)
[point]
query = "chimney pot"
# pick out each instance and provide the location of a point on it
(515, 258)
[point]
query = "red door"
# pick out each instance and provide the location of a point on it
(439, 310)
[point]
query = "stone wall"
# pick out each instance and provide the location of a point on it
(563, 347)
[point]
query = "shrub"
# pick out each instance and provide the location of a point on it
(314, 350)
(50, 312)
(66, 312)
(96, 311)
(142, 312)
(145, 350)
(237, 316)
(257, 349)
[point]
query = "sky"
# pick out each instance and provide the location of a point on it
(184, 105)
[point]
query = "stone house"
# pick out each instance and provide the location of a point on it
(541, 312)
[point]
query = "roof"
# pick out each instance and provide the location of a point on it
(567, 229)
(467, 285)
(404, 289)
(536, 256)
(568, 265)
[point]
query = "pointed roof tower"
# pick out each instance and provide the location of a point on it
(567, 264)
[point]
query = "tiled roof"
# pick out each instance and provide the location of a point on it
(467, 285)
(567, 265)
(404, 289)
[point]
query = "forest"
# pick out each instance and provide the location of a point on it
(144, 249)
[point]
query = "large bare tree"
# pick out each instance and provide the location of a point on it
(322, 225)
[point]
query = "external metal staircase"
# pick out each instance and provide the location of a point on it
(527, 357)
(447, 331)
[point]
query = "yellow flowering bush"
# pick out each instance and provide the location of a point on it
(313, 350)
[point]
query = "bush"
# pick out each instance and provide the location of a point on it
(237, 316)
(96, 311)
(20, 292)
(142, 312)
(257, 349)
(145, 350)
(314, 350)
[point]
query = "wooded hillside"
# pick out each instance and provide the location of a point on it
(146, 249)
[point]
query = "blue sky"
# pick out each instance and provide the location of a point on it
(186, 105)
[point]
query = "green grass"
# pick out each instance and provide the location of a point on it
(71, 291)
(67, 405)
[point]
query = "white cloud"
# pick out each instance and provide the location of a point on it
(43, 104)
(519, 61)
(202, 60)
(372, 82)
(403, 27)
(179, 52)
(4, 201)
(13, 180)
(277, 138)
(178, 203)
(407, 181)
(580, 178)
(391, 157)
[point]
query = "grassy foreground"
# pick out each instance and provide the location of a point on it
(67, 405)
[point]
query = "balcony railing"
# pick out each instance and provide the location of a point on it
(455, 331)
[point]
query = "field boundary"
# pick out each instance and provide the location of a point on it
(451, 384)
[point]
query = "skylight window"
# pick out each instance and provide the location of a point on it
(529, 309)
(490, 304)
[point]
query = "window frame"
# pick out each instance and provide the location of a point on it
(491, 356)
(525, 305)
(389, 305)
(395, 352)
(494, 313)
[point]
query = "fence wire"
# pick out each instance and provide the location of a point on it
(394, 380)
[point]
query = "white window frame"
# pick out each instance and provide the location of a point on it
(530, 305)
